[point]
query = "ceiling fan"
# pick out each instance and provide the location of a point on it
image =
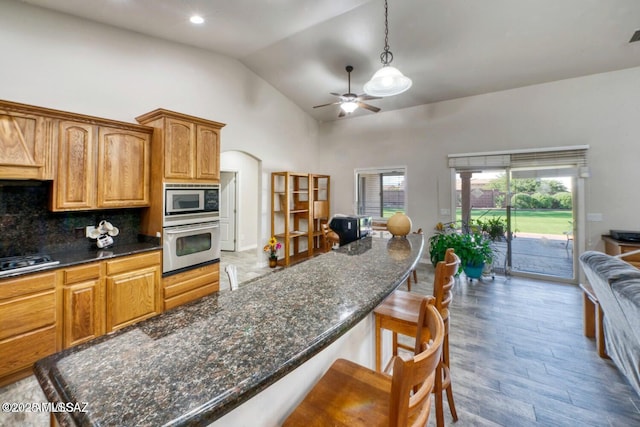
(349, 102)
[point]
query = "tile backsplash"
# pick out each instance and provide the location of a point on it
(27, 226)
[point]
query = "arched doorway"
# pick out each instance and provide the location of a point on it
(240, 201)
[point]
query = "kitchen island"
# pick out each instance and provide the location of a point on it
(193, 364)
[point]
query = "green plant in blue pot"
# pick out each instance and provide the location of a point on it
(473, 249)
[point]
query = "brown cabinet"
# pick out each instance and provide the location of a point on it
(124, 160)
(26, 143)
(133, 290)
(617, 247)
(28, 323)
(75, 184)
(181, 288)
(101, 167)
(185, 147)
(83, 304)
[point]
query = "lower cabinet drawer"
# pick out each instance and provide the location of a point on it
(23, 314)
(190, 285)
(22, 351)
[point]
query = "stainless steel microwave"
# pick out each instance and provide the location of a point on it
(188, 203)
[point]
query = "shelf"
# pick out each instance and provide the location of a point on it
(299, 205)
(292, 234)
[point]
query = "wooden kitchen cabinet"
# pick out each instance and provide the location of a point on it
(186, 148)
(28, 323)
(26, 142)
(132, 289)
(83, 304)
(124, 161)
(75, 184)
(101, 167)
(207, 158)
(190, 285)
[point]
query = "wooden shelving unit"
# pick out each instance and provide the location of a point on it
(299, 201)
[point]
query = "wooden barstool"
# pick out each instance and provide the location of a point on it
(399, 313)
(413, 272)
(330, 236)
(351, 395)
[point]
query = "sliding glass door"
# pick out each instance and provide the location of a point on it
(542, 222)
(529, 214)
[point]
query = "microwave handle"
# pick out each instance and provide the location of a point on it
(182, 230)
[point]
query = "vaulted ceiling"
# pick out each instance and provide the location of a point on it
(449, 48)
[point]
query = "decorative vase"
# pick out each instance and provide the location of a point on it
(399, 224)
(273, 262)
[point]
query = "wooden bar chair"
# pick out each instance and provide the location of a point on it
(350, 395)
(399, 313)
(330, 237)
(413, 272)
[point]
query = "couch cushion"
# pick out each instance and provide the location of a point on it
(608, 267)
(627, 292)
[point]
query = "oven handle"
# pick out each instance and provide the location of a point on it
(182, 230)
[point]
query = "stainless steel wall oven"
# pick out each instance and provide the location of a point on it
(191, 228)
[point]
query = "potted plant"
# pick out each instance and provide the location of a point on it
(494, 228)
(272, 248)
(473, 249)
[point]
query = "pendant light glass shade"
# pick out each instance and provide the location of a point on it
(349, 107)
(387, 81)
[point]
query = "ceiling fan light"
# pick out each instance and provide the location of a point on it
(349, 107)
(387, 81)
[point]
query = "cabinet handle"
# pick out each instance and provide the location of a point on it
(190, 229)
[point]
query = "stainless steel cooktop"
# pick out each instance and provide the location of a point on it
(18, 264)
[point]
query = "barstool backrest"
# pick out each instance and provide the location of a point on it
(414, 376)
(443, 282)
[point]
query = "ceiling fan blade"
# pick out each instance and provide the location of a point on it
(368, 107)
(324, 105)
(336, 94)
(365, 97)
(342, 113)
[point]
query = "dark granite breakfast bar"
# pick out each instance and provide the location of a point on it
(193, 364)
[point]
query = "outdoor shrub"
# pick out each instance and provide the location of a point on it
(521, 201)
(542, 201)
(564, 200)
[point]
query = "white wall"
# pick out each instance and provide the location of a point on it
(57, 61)
(602, 111)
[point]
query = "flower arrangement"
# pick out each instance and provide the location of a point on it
(272, 248)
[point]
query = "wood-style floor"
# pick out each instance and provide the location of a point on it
(519, 358)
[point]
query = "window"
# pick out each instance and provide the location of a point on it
(380, 193)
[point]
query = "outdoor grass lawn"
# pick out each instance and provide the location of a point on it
(541, 221)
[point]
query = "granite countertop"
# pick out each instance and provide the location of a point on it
(193, 364)
(87, 254)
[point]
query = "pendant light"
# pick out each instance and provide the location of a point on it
(388, 80)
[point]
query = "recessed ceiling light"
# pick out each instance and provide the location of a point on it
(196, 19)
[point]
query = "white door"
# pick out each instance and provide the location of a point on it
(228, 211)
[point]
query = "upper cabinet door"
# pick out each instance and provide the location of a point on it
(75, 184)
(123, 168)
(179, 148)
(207, 153)
(25, 141)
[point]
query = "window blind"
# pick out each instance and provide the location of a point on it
(546, 157)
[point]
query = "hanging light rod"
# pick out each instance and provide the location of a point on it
(388, 80)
